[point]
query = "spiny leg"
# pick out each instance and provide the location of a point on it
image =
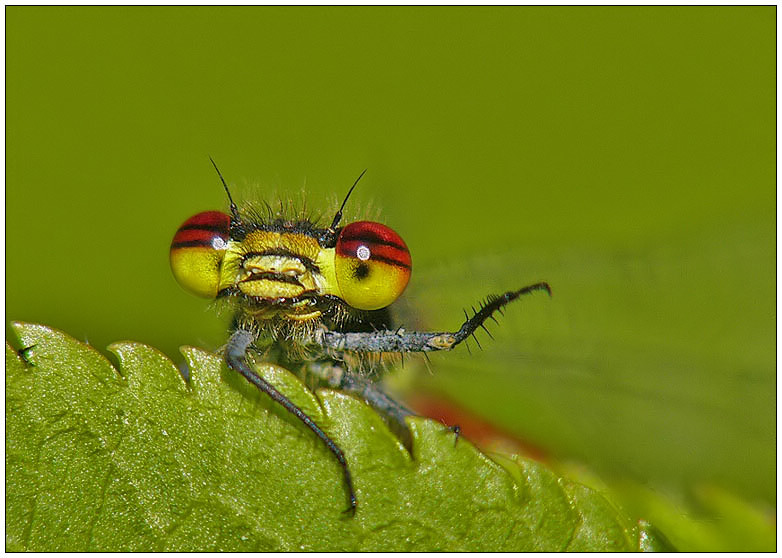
(235, 353)
(401, 341)
(335, 376)
(493, 304)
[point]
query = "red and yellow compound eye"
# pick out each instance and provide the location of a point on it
(372, 265)
(197, 252)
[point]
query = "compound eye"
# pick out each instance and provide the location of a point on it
(372, 265)
(197, 252)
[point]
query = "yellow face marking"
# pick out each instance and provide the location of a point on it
(269, 265)
(276, 264)
(304, 317)
(328, 272)
(270, 289)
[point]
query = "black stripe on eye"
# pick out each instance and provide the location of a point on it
(371, 238)
(203, 227)
(192, 244)
(390, 261)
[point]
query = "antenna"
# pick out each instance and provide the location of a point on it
(234, 209)
(338, 216)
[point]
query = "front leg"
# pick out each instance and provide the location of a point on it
(235, 357)
(401, 341)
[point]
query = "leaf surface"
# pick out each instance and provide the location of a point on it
(140, 460)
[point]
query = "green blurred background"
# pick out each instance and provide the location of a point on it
(624, 154)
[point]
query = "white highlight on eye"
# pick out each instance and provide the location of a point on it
(219, 243)
(363, 253)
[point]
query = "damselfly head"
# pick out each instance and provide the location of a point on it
(290, 265)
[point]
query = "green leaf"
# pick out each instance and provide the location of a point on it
(706, 519)
(140, 460)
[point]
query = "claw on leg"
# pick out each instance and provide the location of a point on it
(24, 354)
(457, 432)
